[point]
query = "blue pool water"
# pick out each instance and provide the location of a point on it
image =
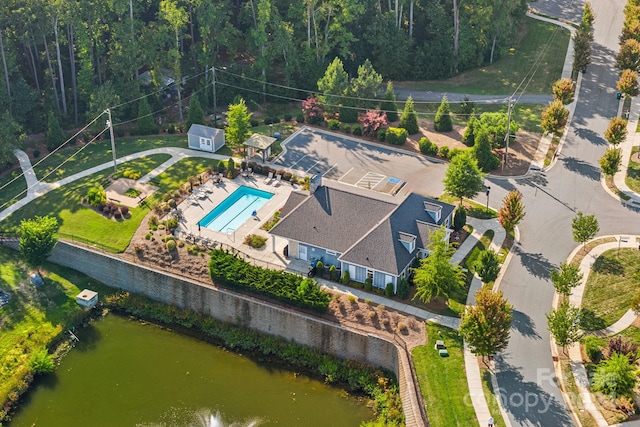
(235, 209)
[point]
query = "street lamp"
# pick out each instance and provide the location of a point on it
(488, 188)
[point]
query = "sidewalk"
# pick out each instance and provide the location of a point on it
(632, 140)
(577, 367)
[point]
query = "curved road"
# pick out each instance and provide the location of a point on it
(525, 371)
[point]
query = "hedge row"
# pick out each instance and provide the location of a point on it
(229, 270)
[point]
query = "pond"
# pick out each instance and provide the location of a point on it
(128, 373)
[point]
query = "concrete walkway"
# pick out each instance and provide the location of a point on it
(632, 140)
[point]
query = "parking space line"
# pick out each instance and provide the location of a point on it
(347, 173)
(313, 165)
(327, 171)
(291, 166)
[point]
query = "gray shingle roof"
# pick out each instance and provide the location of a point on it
(331, 218)
(205, 131)
(367, 231)
(382, 249)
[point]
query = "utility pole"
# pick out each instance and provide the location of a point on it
(506, 151)
(215, 101)
(113, 144)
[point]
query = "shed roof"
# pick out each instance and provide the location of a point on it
(204, 131)
(261, 142)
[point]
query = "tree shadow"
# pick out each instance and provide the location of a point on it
(536, 264)
(526, 401)
(88, 336)
(590, 321)
(523, 324)
(591, 136)
(608, 265)
(581, 167)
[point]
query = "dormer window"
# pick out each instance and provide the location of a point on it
(433, 210)
(408, 241)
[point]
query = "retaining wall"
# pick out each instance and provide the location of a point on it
(228, 306)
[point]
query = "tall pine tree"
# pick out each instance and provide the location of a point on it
(409, 119)
(145, 124)
(389, 104)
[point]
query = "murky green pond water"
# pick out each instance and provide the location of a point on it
(124, 373)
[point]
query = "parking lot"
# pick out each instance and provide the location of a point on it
(360, 163)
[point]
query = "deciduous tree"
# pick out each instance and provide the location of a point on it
(564, 324)
(463, 177)
(409, 118)
(628, 83)
(496, 126)
(487, 161)
(442, 121)
(581, 50)
(37, 239)
(11, 137)
(372, 121)
(554, 118)
(486, 326)
(616, 131)
(312, 110)
(610, 162)
(564, 90)
(512, 210)
(628, 57)
(567, 277)
(437, 276)
(239, 124)
(584, 227)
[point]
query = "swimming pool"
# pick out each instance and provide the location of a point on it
(235, 209)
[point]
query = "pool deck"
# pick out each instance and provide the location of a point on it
(202, 202)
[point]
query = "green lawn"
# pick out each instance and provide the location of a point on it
(612, 284)
(33, 318)
(492, 400)
(474, 209)
(98, 153)
(504, 76)
(442, 380)
(81, 223)
(633, 173)
(177, 174)
(14, 190)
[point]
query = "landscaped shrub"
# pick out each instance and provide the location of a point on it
(286, 176)
(442, 121)
(36, 153)
(231, 165)
(454, 152)
(346, 128)
(346, 278)
(622, 345)
(592, 347)
(368, 284)
(287, 117)
(426, 146)
(41, 362)
(255, 240)
(388, 290)
(171, 245)
(382, 134)
(396, 136)
(96, 195)
(444, 151)
(300, 118)
(124, 210)
(148, 236)
(152, 221)
(254, 122)
(221, 166)
(403, 288)
(356, 130)
(171, 223)
(320, 268)
(333, 272)
(131, 173)
(227, 269)
(334, 124)
(459, 218)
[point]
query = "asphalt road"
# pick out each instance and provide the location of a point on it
(430, 96)
(525, 370)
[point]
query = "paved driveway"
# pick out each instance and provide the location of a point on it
(360, 163)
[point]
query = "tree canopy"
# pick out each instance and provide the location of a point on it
(610, 162)
(239, 124)
(567, 277)
(37, 239)
(512, 210)
(585, 227)
(564, 324)
(436, 276)
(463, 177)
(486, 325)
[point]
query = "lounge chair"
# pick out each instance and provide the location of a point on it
(277, 181)
(269, 178)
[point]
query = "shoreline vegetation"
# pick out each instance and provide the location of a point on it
(355, 377)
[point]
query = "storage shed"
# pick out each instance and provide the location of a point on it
(87, 298)
(205, 138)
